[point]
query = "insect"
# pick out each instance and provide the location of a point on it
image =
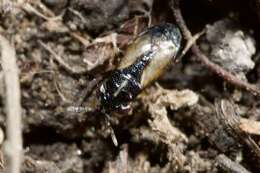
(145, 60)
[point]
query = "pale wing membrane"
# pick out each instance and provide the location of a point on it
(158, 63)
(135, 50)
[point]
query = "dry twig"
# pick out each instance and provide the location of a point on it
(203, 58)
(228, 165)
(13, 145)
(29, 8)
(59, 59)
(229, 117)
(250, 126)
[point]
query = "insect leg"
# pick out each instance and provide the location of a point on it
(111, 130)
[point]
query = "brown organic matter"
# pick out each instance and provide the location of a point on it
(201, 115)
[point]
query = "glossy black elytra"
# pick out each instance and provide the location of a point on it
(145, 60)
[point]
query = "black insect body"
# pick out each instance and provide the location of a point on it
(123, 85)
(145, 60)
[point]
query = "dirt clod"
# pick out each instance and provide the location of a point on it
(201, 115)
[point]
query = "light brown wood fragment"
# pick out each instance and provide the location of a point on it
(250, 126)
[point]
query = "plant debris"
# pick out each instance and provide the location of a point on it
(201, 115)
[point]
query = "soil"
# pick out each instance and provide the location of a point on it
(65, 49)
